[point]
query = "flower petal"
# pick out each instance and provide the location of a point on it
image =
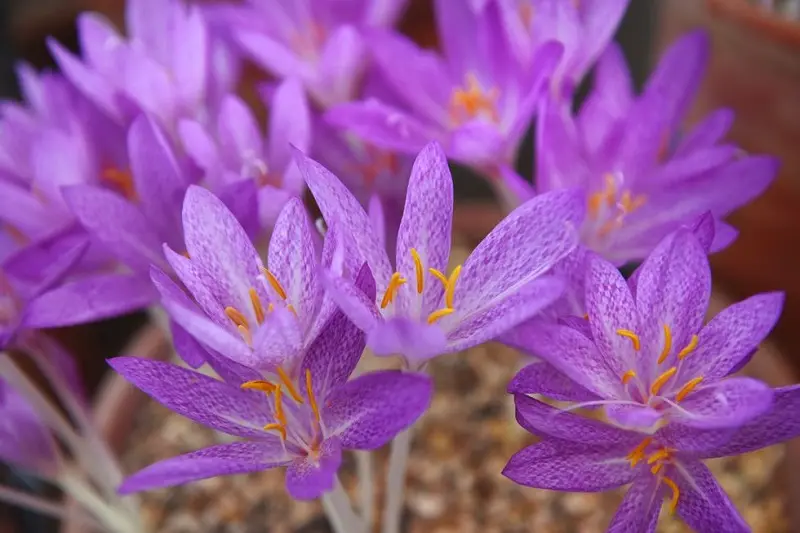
(118, 224)
(90, 299)
(237, 132)
(216, 240)
(703, 504)
(546, 421)
(220, 460)
(707, 132)
(511, 255)
(541, 377)
(198, 397)
(639, 510)
(732, 335)
(289, 124)
(562, 465)
(340, 65)
(369, 411)
(308, 479)
(414, 340)
(728, 403)
(426, 226)
(340, 207)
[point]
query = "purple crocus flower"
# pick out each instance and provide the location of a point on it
(475, 99)
(131, 226)
(579, 454)
(584, 27)
(420, 310)
(24, 439)
(261, 316)
(170, 67)
(318, 42)
(642, 178)
(235, 149)
(644, 353)
(302, 423)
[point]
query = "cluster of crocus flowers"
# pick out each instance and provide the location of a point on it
(138, 178)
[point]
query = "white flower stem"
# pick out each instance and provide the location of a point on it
(42, 506)
(366, 486)
(340, 512)
(115, 519)
(395, 482)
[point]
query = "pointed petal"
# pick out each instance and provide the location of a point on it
(545, 421)
(369, 411)
(340, 65)
(89, 300)
(187, 347)
(241, 198)
(190, 54)
(199, 283)
(511, 256)
(562, 465)
(237, 132)
(639, 510)
(289, 124)
(340, 207)
(292, 260)
(633, 416)
(216, 240)
(118, 224)
(426, 226)
(707, 132)
(416, 341)
(541, 377)
(728, 403)
(733, 335)
(198, 397)
(200, 145)
(220, 460)
(272, 55)
(308, 479)
(703, 504)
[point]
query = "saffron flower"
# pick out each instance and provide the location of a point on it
(302, 423)
(24, 439)
(318, 42)
(260, 316)
(170, 67)
(131, 226)
(643, 178)
(475, 99)
(583, 455)
(644, 353)
(234, 149)
(422, 311)
(585, 28)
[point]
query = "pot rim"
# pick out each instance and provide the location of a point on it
(768, 24)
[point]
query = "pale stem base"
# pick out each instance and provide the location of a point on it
(395, 482)
(339, 511)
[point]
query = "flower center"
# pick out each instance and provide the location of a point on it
(449, 283)
(471, 101)
(666, 375)
(120, 180)
(283, 423)
(308, 41)
(608, 207)
(240, 321)
(656, 459)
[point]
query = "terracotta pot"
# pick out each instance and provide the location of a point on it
(755, 70)
(117, 401)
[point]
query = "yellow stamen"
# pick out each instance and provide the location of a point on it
(394, 284)
(264, 386)
(439, 275)
(277, 427)
(656, 468)
(675, 494)
(667, 345)
(312, 400)
(471, 100)
(248, 338)
(420, 272)
(257, 306)
(279, 414)
(689, 348)
(632, 336)
(627, 376)
(450, 289)
(237, 317)
(440, 313)
(275, 284)
(291, 309)
(689, 387)
(289, 386)
(661, 380)
(270, 307)
(663, 453)
(611, 189)
(122, 180)
(637, 454)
